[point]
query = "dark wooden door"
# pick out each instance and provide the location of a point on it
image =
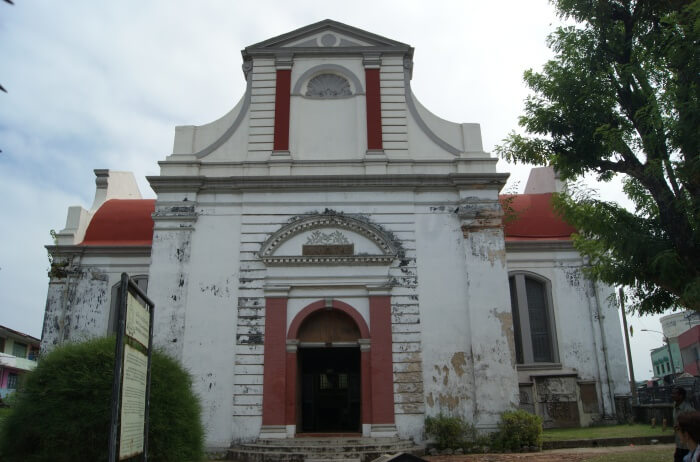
(330, 389)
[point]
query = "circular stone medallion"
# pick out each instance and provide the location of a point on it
(328, 40)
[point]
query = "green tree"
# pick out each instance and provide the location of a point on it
(63, 409)
(620, 97)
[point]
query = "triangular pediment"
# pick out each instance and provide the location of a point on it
(327, 34)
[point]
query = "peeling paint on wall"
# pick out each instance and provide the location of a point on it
(487, 245)
(573, 276)
(506, 320)
(452, 389)
(458, 362)
(77, 304)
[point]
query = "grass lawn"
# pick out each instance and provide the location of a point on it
(652, 455)
(612, 431)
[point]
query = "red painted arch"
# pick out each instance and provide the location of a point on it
(320, 305)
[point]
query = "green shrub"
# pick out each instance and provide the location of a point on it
(11, 398)
(63, 409)
(516, 430)
(449, 432)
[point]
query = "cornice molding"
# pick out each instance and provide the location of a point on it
(120, 250)
(450, 181)
(277, 44)
(328, 260)
(326, 51)
(263, 163)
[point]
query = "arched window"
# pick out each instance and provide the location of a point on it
(142, 283)
(533, 319)
(328, 86)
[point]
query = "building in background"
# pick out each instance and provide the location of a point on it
(18, 355)
(674, 324)
(665, 365)
(330, 256)
(689, 344)
(673, 327)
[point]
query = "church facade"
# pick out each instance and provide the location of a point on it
(330, 256)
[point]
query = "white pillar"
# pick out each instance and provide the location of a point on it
(169, 273)
(491, 321)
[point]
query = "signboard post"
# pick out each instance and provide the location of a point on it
(128, 432)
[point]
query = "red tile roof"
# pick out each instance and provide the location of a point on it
(122, 222)
(125, 222)
(535, 219)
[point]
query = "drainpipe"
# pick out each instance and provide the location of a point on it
(592, 309)
(606, 361)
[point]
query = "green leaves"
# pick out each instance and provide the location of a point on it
(63, 409)
(621, 97)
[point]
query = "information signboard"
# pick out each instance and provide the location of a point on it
(133, 403)
(132, 374)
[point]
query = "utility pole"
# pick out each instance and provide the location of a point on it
(633, 383)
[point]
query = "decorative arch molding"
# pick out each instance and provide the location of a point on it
(378, 236)
(314, 307)
(328, 69)
(325, 86)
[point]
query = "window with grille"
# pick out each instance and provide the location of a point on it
(12, 381)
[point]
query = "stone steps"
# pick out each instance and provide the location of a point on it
(312, 449)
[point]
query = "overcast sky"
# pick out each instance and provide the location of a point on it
(102, 84)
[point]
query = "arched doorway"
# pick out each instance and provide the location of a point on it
(282, 381)
(330, 398)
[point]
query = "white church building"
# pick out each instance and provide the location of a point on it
(330, 256)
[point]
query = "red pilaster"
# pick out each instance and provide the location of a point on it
(274, 372)
(374, 110)
(282, 96)
(291, 396)
(381, 359)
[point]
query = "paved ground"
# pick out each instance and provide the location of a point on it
(554, 455)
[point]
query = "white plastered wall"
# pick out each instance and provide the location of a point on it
(448, 369)
(329, 128)
(212, 313)
(268, 212)
(581, 347)
(78, 304)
